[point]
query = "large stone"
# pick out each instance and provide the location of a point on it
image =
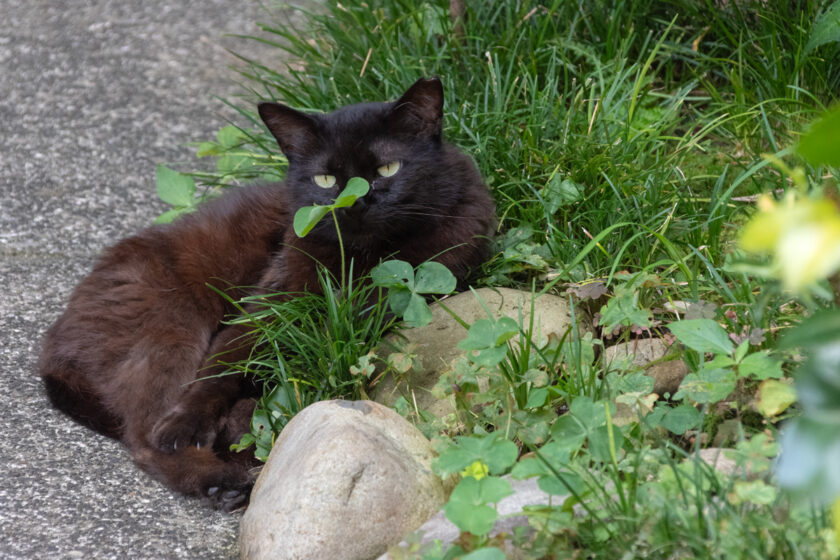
(344, 481)
(436, 344)
(667, 375)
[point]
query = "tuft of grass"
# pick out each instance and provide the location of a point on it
(308, 348)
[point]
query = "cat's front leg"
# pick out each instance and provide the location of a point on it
(199, 415)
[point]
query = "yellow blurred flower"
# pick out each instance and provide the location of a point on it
(835, 517)
(802, 234)
(477, 470)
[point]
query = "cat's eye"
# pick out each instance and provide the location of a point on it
(324, 181)
(389, 169)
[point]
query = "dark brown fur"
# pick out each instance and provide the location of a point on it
(143, 326)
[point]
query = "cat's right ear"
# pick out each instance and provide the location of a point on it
(420, 110)
(294, 131)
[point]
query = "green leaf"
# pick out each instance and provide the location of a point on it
(175, 188)
(590, 413)
(307, 217)
(467, 507)
(492, 489)
(489, 338)
(528, 468)
(417, 312)
(537, 397)
(229, 164)
(756, 454)
(599, 443)
(755, 492)
(169, 215)
(637, 382)
(356, 188)
(569, 431)
(821, 144)
(826, 28)
(707, 385)
(478, 520)
(504, 329)
(562, 484)
(229, 136)
(761, 366)
(702, 335)
(680, 419)
(742, 350)
(560, 192)
(774, 397)
(399, 299)
(393, 273)
(207, 149)
(623, 309)
(485, 554)
(488, 357)
(553, 457)
(493, 450)
(534, 431)
(479, 335)
(434, 278)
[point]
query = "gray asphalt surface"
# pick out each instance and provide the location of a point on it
(93, 94)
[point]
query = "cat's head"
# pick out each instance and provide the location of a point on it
(396, 146)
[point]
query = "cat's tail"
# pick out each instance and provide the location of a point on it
(225, 485)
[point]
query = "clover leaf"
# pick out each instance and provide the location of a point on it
(308, 217)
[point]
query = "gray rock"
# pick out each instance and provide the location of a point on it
(436, 343)
(667, 375)
(716, 458)
(344, 481)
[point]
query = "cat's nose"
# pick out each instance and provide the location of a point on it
(359, 208)
(377, 186)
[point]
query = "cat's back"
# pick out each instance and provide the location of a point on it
(229, 238)
(135, 283)
(149, 292)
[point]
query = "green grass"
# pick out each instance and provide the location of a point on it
(612, 97)
(623, 143)
(306, 349)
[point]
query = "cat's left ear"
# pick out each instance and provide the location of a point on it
(294, 131)
(420, 110)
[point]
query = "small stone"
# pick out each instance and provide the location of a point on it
(436, 343)
(510, 509)
(667, 375)
(716, 458)
(344, 480)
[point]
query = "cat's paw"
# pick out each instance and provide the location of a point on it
(232, 490)
(180, 429)
(228, 498)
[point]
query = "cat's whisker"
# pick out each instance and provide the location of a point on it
(424, 210)
(434, 215)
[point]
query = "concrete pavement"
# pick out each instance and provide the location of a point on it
(93, 94)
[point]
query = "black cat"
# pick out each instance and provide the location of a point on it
(124, 357)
